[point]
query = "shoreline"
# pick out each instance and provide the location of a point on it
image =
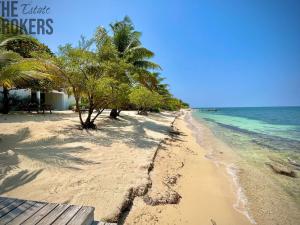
(228, 163)
(166, 168)
(267, 202)
(181, 169)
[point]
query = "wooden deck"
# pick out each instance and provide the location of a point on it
(16, 211)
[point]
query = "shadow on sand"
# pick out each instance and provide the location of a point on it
(63, 152)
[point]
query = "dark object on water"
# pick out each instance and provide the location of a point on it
(294, 163)
(208, 109)
(282, 169)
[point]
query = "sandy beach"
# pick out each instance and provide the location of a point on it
(181, 168)
(170, 180)
(47, 158)
(165, 168)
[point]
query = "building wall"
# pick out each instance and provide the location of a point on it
(19, 93)
(59, 100)
(22, 93)
(55, 99)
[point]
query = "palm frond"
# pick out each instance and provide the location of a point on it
(146, 64)
(24, 71)
(6, 40)
(7, 57)
(138, 53)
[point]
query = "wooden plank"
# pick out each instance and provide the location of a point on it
(10, 207)
(2, 199)
(103, 223)
(27, 214)
(53, 215)
(15, 212)
(6, 202)
(35, 218)
(67, 215)
(85, 216)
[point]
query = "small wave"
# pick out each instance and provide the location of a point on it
(241, 203)
(241, 200)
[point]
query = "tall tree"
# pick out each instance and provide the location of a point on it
(127, 42)
(91, 76)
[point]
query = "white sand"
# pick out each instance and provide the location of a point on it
(46, 158)
(207, 191)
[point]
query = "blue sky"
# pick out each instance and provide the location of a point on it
(213, 52)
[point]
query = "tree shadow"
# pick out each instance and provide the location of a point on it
(8, 162)
(18, 179)
(134, 137)
(18, 117)
(9, 141)
(63, 147)
(53, 151)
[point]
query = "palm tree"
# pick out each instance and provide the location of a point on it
(15, 71)
(127, 41)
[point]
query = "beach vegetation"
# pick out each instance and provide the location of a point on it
(130, 49)
(19, 68)
(144, 99)
(111, 70)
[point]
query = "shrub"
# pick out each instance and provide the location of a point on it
(144, 99)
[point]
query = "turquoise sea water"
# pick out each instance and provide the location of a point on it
(259, 135)
(271, 128)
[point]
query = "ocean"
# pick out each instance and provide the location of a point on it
(259, 135)
(272, 128)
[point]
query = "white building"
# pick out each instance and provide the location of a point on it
(57, 99)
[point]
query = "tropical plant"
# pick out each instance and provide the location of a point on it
(26, 47)
(144, 99)
(127, 42)
(16, 71)
(91, 76)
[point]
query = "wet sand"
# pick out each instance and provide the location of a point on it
(266, 198)
(181, 168)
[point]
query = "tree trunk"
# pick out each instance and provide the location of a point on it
(78, 109)
(89, 124)
(144, 113)
(113, 113)
(5, 106)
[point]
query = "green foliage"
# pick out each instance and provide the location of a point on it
(99, 76)
(26, 47)
(16, 71)
(127, 42)
(144, 99)
(113, 69)
(19, 64)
